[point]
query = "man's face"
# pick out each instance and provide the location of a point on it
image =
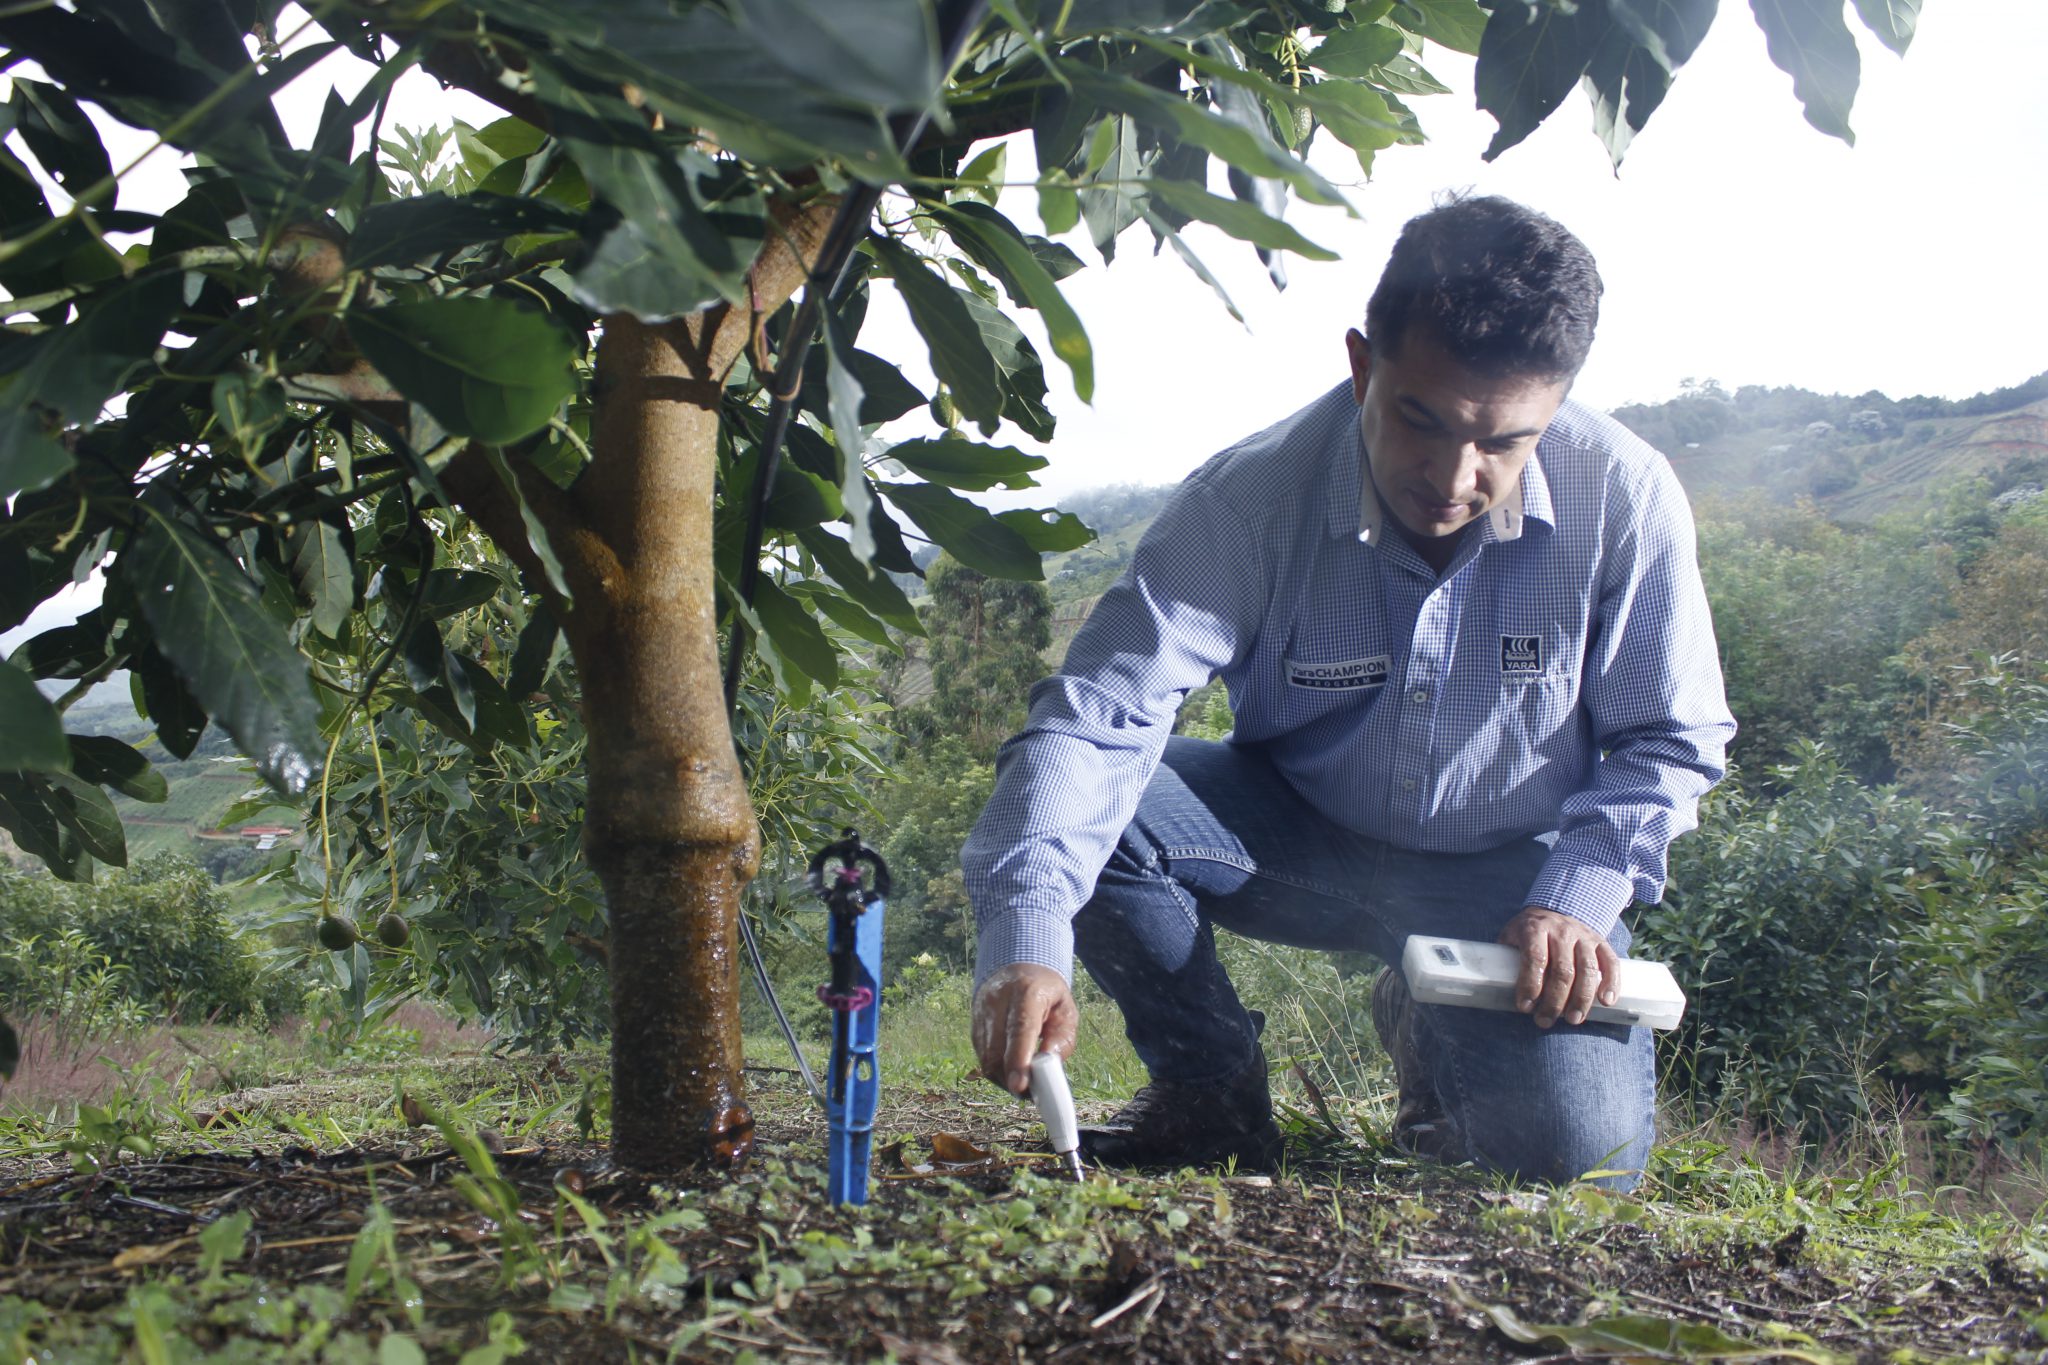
(1445, 444)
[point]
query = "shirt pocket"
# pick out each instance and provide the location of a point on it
(1537, 662)
(1330, 664)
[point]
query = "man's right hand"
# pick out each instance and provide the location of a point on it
(1020, 1011)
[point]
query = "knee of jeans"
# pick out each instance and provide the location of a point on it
(1559, 1138)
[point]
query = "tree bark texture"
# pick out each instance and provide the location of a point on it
(668, 827)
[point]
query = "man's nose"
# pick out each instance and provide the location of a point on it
(1455, 474)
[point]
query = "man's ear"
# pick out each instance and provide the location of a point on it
(1360, 352)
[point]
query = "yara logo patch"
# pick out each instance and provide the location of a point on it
(1521, 654)
(1339, 677)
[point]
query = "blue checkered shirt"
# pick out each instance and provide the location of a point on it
(1446, 713)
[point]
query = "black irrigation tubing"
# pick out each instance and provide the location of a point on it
(849, 224)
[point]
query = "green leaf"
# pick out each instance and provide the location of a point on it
(1009, 257)
(1630, 73)
(31, 729)
(796, 634)
(687, 227)
(1810, 41)
(1047, 530)
(85, 810)
(482, 367)
(495, 714)
(324, 573)
(249, 407)
(883, 53)
(1456, 24)
(26, 813)
(1640, 1336)
(1892, 21)
(957, 462)
(533, 657)
(1669, 31)
(1246, 108)
(872, 588)
(536, 532)
(439, 679)
(1532, 55)
(59, 135)
(110, 763)
(1018, 364)
(799, 497)
(1241, 220)
(844, 395)
(1193, 262)
(1059, 208)
(1205, 129)
(1108, 192)
(447, 592)
(161, 695)
(959, 357)
(208, 620)
(71, 371)
(966, 531)
(982, 178)
(1406, 75)
(702, 72)
(885, 393)
(849, 616)
(790, 680)
(1357, 52)
(66, 651)
(429, 226)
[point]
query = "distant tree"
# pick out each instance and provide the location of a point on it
(2000, 625)
(1809, 616)
(986, 640)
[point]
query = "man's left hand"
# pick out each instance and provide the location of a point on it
(1565, 966)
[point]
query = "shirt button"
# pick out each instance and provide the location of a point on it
(1419, 695)
(1407, 784)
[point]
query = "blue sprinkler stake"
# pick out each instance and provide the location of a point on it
(853, 942)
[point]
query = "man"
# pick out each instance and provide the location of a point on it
(1476, 694)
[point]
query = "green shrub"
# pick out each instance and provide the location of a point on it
(159, 934)
(1783, 922)
(1980, 953)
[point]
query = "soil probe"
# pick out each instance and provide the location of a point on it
(1056, 1106)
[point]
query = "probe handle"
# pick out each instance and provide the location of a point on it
(1055, 1102)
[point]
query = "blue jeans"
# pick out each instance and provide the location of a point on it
(1219, 838)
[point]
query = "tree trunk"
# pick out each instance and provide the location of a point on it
(668, 827)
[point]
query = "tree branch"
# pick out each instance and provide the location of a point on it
(588, 564)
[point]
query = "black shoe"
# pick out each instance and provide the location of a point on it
(1179, 1123)
(1420, 1125)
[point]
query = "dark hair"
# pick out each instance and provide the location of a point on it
(1500, 287)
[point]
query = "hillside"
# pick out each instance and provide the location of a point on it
(1858, 474)
(204, 787)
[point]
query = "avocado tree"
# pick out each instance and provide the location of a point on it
(267, 414)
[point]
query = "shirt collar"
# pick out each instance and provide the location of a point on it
(1352, 488)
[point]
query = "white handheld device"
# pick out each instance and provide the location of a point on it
(1056, 1106)
(1455, 971)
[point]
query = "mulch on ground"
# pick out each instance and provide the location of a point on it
(1365, 1260)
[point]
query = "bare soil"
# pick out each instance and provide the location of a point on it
(1359, 1258)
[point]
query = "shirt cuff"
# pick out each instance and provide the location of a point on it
(1040, 937)
(1594, 896)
